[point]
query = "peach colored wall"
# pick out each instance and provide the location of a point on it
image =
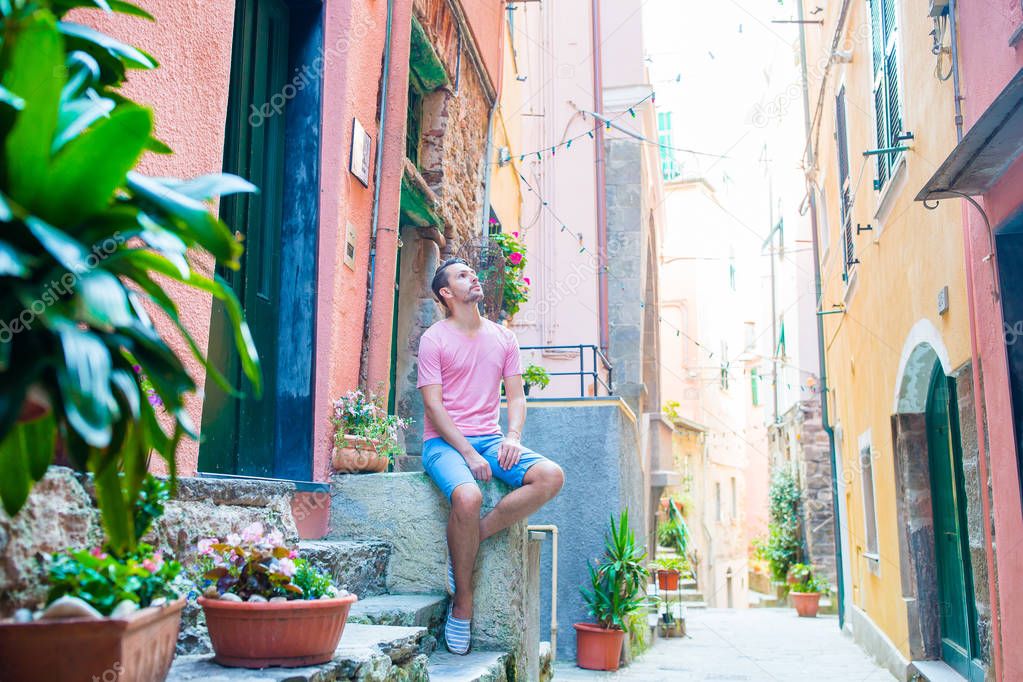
(987, 62)
(485, 18)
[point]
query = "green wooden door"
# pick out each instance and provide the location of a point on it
(238, 435)
(956, 605)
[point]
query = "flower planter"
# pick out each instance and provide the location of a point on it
(137, 648)
(806, 603)
(597, 648)
(358, 456)
(667, 580)
(289, 633)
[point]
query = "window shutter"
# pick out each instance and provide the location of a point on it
(878, 53)
(842, 133)
(891, 78)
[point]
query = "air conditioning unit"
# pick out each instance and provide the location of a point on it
(938, 8)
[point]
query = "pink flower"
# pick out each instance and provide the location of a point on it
(234, 539)
(526, 280)
(205, 545)
(286, 566)
(275, 538)
(98, 553)
(515, 234)
(515, 257)
(293, 554)
(150, 566)
(253, 532)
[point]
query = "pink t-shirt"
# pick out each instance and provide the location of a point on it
(469, 370)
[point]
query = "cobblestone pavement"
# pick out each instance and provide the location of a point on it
(749, 644)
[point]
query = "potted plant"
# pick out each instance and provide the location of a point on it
(86, 242)
(673, 533)
(806, 589)
(617, 590)
(265, 605)
(365, 436)
(668, 571)
(111, 614)
(535, 375)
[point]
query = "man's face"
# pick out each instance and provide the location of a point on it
(463, 284)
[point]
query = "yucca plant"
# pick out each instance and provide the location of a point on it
(618, 581)
(86, 246)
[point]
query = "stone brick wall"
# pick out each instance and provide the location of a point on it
(818, 508)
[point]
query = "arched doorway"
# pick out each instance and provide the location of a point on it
(957, 617)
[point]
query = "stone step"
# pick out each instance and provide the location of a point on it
(409, 610)
(377, 652)
(686, 595)
(476, 666)
(360, 566)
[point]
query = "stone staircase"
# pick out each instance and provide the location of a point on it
(386, 545)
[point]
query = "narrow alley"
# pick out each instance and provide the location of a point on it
(755, 645)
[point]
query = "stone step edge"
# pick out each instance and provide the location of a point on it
(409, 610)
(360, 645)
(476, 666)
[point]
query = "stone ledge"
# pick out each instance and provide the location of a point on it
(409, 610)
(360, 566)
(371, 653)
(477, 666)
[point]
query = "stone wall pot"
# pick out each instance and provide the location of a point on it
(597, 648)
(667, 579)
(289, 634)
(138, 648)
(358, 456)
(806, 603)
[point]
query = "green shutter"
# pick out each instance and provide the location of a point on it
(887, 104)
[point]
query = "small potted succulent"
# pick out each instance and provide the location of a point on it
(365, 436)
(110, 612)
(806, 589)
(617, 590)
(266, 606)
(668, 571)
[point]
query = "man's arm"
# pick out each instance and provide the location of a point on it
(434, 406)
(511, 448)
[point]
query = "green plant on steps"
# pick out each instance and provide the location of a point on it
(618, 581)
(87, 247)
(535, 375)
(674, 532)
(806, 579)
(679, 563)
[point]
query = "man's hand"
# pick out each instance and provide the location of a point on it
(478, 466)
(509, 452)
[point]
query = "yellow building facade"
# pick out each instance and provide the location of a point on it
(894, 306)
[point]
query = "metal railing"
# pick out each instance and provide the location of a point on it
(594, 373)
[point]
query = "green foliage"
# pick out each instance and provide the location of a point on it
(679, 563)
(516, 287)
(313, 582)
(783, 545)
(670, 410)
(103, 580)
(85, 240)
(806, 579)
(617, 582)
(674, 533)
(535, 375)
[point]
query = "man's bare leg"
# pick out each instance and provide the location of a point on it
(542, 482)
(464, 543)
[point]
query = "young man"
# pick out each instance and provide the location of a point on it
(462, 360)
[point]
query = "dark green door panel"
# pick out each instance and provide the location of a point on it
(242, 436)
(956, 605)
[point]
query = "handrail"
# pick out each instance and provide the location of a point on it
(553, 530)
(583, 372)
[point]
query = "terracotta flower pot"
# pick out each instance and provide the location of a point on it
(261, 634)
(667, 580)
(138, 648)
(806, 603)
(358, 456)
(597, 648)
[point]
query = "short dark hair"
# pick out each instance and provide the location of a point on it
(440, 278)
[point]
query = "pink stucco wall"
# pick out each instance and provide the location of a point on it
(189, 95)
(987, 62)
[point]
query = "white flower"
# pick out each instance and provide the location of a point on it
(253, 532)
(286, 566)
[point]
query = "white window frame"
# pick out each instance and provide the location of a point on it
(865, 456)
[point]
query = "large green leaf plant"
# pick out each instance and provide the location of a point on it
(618, 581)
(87, 245)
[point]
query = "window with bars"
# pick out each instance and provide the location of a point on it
(887, 106)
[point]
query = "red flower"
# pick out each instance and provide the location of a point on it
(515, 257)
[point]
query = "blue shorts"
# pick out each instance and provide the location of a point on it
(448, 469)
